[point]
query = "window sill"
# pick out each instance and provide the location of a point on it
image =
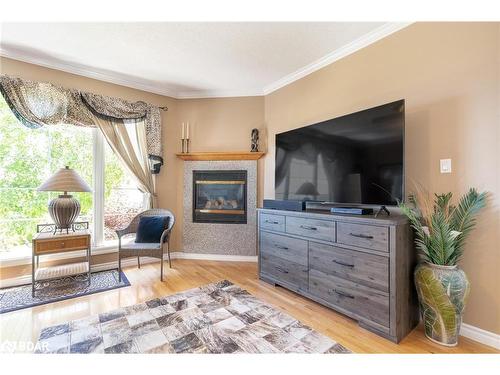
(107, 248)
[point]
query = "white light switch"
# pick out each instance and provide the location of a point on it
(445, 165)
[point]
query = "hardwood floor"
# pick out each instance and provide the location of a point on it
(25, 325)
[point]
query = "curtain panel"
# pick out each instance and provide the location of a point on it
(135, 159)
(38, 104)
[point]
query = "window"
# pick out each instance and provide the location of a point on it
(29, 156)
(122, 199)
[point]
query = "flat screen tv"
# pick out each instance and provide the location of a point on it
(355, 159)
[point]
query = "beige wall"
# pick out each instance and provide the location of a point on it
(449, 76)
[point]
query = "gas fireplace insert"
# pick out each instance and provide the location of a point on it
(220, 197)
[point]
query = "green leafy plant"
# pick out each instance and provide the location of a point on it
(441, 228)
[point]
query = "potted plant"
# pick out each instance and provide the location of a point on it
(441, 229)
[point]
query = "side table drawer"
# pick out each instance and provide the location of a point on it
(58, 245)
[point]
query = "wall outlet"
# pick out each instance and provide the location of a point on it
(445, 165)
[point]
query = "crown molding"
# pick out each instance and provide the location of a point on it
(115, 78)
(123, 80)
(354, 46)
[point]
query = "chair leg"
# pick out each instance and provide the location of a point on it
(168, 253)
(119, 267)
(161, 269)
(138, 262)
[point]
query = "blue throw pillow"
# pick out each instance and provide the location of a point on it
(150, 228)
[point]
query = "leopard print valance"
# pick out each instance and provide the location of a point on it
(38, 104)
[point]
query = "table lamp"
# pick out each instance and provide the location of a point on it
(64, 209)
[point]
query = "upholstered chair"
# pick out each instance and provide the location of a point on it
(154, 250)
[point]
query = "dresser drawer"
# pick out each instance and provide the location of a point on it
(272, 222)
(70, 244)
(362, 235)
(291, 249)
(365, 302)
(313, 228)
(367, 269)
(282, 270)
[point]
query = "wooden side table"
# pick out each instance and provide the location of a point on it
(53, 243)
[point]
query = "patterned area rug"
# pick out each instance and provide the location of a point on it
(17, 298)
(216, 318)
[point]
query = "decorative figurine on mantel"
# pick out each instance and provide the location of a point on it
(255, 140)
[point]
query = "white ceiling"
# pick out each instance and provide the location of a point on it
(185, 60)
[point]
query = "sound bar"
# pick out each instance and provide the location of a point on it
(274, 204)
(351, 210)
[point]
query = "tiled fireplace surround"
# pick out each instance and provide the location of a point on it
(218, 238)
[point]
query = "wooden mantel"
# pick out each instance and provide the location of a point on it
(237, 155)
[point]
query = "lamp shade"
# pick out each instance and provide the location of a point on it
(65, 179)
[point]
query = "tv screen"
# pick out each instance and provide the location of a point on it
(353, 159)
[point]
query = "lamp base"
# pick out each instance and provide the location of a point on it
(64, 210)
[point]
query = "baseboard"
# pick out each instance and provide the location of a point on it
(480, 335)
(215, 257)
(15, 281)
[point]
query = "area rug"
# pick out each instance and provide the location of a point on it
(18, 298)
(215, 318)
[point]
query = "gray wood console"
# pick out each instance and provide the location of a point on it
(360, 266)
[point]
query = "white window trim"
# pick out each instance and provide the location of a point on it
(98, 194)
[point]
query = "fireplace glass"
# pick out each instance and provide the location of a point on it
(220, 197)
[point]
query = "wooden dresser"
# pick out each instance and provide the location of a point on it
(360, 266)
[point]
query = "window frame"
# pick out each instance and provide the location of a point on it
(99, 164)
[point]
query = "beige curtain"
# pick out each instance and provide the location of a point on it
(131, 149)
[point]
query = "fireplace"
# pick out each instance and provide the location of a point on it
(220, 196)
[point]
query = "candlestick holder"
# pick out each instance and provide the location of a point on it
(187, 145)
(183, 146)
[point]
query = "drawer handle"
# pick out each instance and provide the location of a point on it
(271, 222)
(342, 294)
(308, 227)
(280, 247)
(359, 235)
(281, 269)
(344, 264)
(62, 244)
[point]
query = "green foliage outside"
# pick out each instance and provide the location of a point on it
(28, 157)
